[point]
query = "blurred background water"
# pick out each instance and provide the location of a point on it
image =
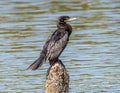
(92, 56)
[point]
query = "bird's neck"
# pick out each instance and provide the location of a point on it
(61, 25)
(65, 26)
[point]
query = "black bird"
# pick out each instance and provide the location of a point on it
(55, 44)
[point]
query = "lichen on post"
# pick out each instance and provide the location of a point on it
(57, 79)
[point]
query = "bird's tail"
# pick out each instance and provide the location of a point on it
(36, 64)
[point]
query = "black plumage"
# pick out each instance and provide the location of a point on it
(55, 44)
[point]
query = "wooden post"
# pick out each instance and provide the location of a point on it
(57, 79)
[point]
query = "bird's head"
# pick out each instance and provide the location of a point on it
(64, 19)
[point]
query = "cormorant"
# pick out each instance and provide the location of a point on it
(55, 44)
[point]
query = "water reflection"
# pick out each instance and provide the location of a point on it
(91, 57)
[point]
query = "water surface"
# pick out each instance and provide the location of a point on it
(92, 56)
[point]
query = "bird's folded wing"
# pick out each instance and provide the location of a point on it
(57, 44)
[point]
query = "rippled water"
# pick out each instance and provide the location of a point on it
(92, 56)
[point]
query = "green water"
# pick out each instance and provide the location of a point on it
(92, 56)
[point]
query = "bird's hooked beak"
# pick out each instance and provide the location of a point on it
(70, 19)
